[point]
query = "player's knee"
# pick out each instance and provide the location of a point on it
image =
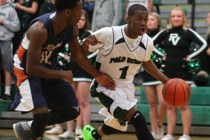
(71, 114)
(137, 118)
(109, 130)
(38, 125)
(40, 118)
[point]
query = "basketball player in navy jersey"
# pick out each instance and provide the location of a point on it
(41, 86)
(122, 51)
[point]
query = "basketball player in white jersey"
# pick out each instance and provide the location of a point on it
(122, 51)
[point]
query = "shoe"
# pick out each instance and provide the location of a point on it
(160, 133)
(87, 132)
(55, 131)
(5, 98)
(78, 131)
(22, 130)
(184, 137)
(67, 135)
(168, 137)
(153, 134)
(81, 137)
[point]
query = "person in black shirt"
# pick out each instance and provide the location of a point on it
(177, 38)
(205, 57)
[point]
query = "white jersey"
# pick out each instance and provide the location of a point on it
(119, 56)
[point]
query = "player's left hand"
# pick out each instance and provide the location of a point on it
(91, 40)
(106, 81)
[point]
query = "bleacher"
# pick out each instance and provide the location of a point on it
(200, 105)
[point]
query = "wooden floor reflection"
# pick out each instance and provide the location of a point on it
(8, 134)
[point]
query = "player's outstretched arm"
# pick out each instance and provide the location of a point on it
(150, 68)
(81, 58)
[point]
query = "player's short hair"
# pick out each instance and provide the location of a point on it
(136, 7)
(65, 4)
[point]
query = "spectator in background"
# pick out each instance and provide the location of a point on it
(178, 37)
(106, 13)
(205, 58)
(9, 23)
(88, 6)
(208, 41)
(146, 3)
(152, 87)
(28, 10)
(47, 7)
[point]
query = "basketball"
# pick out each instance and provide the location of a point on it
(176, 92)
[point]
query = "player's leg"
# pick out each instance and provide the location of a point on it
(62, 103)
(29, 97)
(61, 100)
(138, 121)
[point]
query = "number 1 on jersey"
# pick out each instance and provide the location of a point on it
(124, 72)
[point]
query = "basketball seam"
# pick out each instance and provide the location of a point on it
(164, 94)
(175, 92)
(184, 92)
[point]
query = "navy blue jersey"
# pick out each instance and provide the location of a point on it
(53, 45)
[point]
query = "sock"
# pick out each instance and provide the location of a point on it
(7, 90)
(96, 135)
(38, 125)
(139, 123)
(109, 130)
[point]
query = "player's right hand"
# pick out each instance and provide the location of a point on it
(67, 76)
(106, 81)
